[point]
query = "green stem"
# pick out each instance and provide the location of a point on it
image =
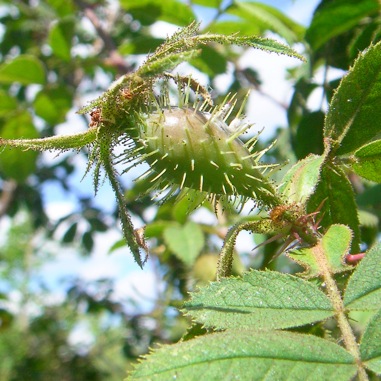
(63, 142)
(127, 227)
(334, 295)
(225, 260)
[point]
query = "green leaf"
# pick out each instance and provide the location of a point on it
(242, 27)
(60, 38)
(140, 45)
(370, 347)
(17, 163)
(185, 241)
(336, 17)
(354, 113)
(7, 103)
(24, 69)
(70, 233)
(368, 161)
(149, 11)
(300, 181)
(268, 18)
(208, 3)
(363, 292)
(210, 62)
(248, 355)
(339, 206)
(335, 245)
(53, 103)
(259, 300)
(87, 241)
(309, 135)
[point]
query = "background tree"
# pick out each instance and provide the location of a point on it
(57, 55)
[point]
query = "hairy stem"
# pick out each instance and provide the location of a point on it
(62, 142)
(128, 229)
(334, 295)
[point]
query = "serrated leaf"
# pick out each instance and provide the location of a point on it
(354, 111)
(60, 38)
(370, 347)
(368, 161)
(363, 291)
(259, 300)
(300, 181)
(17, 163)
(248, 355)
(24, 69)
(334, 245)
(339, 205)
(185, 241)
(336, 17)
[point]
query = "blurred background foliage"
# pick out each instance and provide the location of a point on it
(55, 56)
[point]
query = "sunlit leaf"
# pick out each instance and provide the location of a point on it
(60, 38)
(185, 241)
(16, 163)
(334, 246)
(368, 161)
(370, 347)
(301, 180)
(24, 69)
(354, 113)
(259, 300)
(364, 287)
(248, 355)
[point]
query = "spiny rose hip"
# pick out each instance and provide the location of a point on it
(188, 147)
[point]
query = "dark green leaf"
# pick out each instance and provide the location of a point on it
(309, 135)
(259, 300)
(339, 205)
(336, 17)
(210, 62)
(248, 355)
(87, 241)
(140, 45)
(368, 161)
(354, 114)
(364, 287)
(370, 347)
(24, 69)
(70, 233)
